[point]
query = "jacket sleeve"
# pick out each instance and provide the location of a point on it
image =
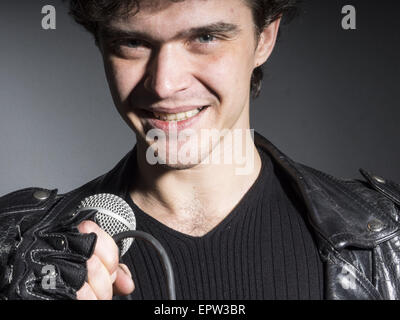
(42, 254)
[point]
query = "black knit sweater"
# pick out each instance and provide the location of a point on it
(262, 250)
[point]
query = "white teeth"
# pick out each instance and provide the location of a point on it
(177, 116)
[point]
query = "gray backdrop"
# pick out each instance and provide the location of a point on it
(329, 99)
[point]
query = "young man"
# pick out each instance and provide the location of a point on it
(251, 224)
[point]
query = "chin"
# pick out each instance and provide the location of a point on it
(173, 162)
(178, 156)
(178, 166)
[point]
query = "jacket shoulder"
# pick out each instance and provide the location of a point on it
(352, 212)
(389, 188)
(32, 198)
(371, 189)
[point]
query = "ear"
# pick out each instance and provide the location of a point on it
(266, 43)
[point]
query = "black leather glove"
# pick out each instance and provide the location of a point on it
(42, 254)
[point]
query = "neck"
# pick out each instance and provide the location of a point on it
(213, 189)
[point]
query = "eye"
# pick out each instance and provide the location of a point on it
(206, 38)
(133, 43)
(130, 48)
(125, 44)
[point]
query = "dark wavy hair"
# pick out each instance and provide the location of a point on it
(92, 13)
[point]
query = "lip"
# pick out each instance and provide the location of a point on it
(174, 109)
(166, 126)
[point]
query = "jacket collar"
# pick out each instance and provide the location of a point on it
(341, 212)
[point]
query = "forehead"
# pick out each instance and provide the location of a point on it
(167, 17)
(157, 5)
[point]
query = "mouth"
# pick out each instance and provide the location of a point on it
(168, 121)
(175, 117)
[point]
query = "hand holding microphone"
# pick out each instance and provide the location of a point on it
(106, 277)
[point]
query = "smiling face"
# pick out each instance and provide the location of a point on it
(184, 65)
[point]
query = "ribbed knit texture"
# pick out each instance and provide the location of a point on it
(262, 250)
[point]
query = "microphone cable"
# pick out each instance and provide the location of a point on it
(169, 273)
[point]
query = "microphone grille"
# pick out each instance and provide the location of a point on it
(114, 215)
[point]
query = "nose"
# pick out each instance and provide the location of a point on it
(168, 73)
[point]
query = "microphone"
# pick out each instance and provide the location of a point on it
(116, 217)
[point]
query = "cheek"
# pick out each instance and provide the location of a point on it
(122, 77)
(228, 75)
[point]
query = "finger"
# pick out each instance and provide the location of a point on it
(123, 284)
(86, 293)
(99, 279)
(106, 249)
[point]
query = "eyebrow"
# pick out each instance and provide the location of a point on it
(218, 27)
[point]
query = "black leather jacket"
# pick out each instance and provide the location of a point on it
(355, 223)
